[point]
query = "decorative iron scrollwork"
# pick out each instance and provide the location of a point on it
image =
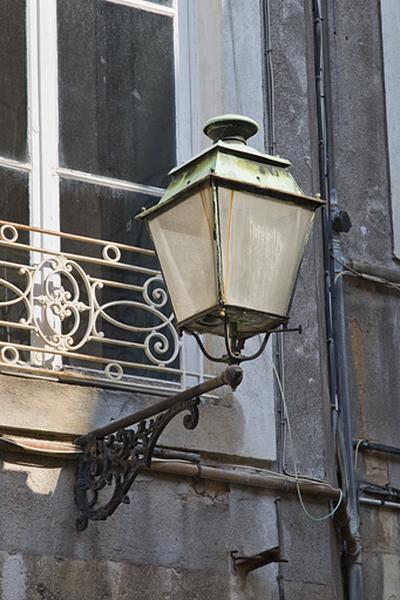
(113, 455)
(96, 310)
(110, 465)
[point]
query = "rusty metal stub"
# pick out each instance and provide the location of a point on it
(245, 564)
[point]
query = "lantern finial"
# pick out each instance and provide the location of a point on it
(230, 128)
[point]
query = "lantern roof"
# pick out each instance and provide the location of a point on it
(232, 163)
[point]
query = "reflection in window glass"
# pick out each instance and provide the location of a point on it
(13, 111)
(116, 90)
(109, 214)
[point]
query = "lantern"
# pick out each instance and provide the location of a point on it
(230, 233)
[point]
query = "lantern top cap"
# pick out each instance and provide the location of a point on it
(230, 128)
(232, 163)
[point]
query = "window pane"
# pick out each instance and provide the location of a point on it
(128, 298)
(14, 207)
(14, 196)
(13, 111)
(116, 88)
(164, 2)
(104, 213)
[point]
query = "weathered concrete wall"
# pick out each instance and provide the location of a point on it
(173, 541)
(296, 139)
(235, 424)
(373, 311)
(305, 366)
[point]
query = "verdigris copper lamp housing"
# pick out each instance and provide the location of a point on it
(230, 233)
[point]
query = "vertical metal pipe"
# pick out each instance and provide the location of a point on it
(335, 312)
(280, 581)
(354, 562)
(326, 186)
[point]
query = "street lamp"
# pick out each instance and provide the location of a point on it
(230, 233)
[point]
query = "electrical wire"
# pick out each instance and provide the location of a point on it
(296, 473)
(356, 452)
(373, 278)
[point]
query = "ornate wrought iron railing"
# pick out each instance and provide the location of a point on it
(81, 309)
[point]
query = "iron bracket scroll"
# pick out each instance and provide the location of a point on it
(113, 455)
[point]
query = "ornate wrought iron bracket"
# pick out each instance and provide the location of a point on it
(113, 456)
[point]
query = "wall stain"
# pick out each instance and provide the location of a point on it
(357, 348)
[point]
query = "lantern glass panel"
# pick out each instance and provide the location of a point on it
(183, 235)
(262, 243)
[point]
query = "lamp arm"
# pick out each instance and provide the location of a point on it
(231, 356)
(259, 351)
(219, 359)
(237, 357)
(113, 456)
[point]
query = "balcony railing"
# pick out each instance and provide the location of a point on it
(80, 309)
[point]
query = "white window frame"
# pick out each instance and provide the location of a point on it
(43, 111)
(43, 129)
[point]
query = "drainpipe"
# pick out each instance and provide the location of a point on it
(348, 518)
(354, 558)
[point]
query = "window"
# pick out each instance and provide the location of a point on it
(87, 136)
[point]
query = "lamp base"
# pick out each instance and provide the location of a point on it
(244, 322)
